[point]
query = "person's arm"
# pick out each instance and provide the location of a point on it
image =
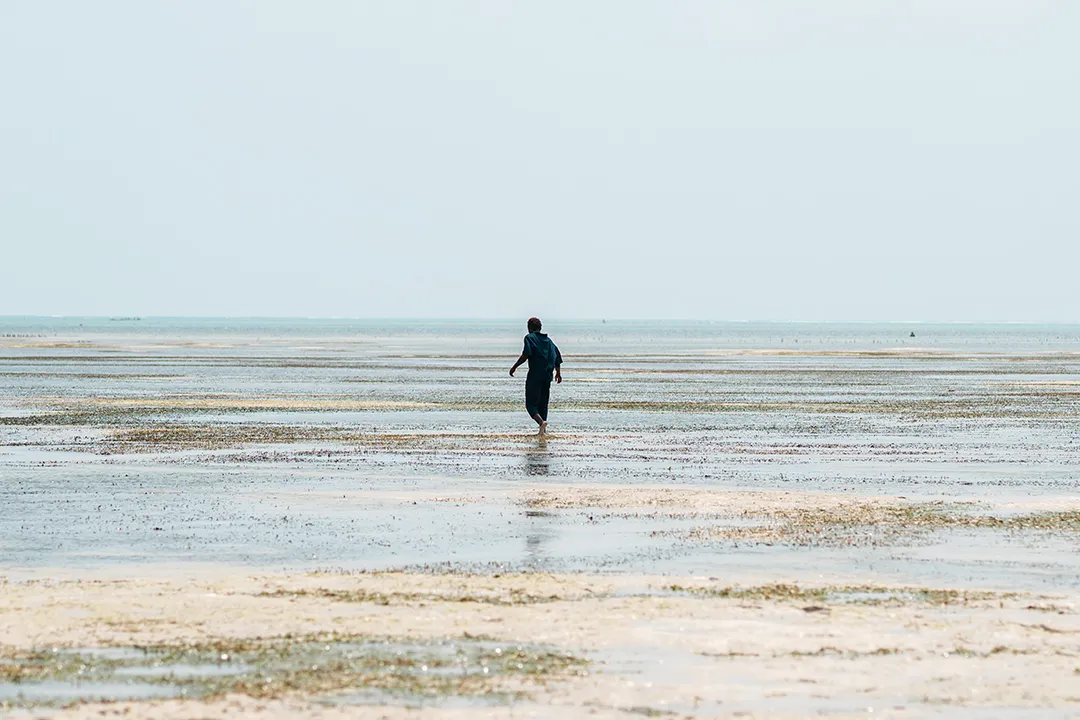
(526, 351)
(558, 365)
(520, 360)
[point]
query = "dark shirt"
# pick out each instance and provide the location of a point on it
(544, 355)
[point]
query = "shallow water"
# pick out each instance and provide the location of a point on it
(58, 691)
(359, 445)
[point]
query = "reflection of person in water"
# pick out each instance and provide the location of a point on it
(538, 532)
(536, 462)
(544, 357)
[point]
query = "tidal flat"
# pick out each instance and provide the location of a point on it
(211, 518)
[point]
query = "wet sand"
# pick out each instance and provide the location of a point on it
(707, 532)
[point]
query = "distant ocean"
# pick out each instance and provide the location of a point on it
(615, 335)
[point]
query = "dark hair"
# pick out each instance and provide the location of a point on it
(535, 324)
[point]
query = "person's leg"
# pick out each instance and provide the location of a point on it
(545, 395)
(532, 400)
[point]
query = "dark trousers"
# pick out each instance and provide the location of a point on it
(537, 392)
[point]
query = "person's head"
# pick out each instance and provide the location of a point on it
(535, 324)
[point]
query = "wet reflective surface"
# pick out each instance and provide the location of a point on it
(383, 445)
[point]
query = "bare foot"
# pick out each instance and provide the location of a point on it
(543, 429)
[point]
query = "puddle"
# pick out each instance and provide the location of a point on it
(340, 671)
(180, 670)
(57, 691)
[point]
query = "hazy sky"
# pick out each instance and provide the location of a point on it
(721, 159)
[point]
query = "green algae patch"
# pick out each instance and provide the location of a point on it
(871, 595)
(777, 591)
(1067, 520)
(513, 597)
(171, 437)
(862, 524)
(854, 654)
(330, 665)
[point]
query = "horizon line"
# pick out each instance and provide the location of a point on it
(554, 318)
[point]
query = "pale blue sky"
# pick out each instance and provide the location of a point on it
(722, 159)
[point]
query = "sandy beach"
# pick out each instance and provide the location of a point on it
(638, 645)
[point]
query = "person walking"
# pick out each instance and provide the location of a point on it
(544, 358)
